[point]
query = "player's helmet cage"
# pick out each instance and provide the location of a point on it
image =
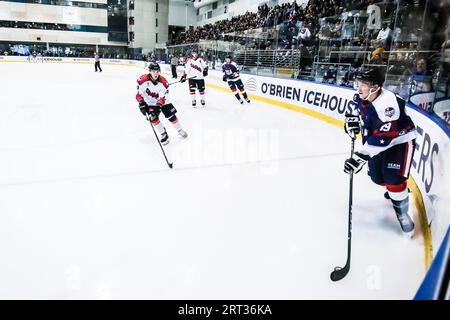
(154, 67)
(373, 75)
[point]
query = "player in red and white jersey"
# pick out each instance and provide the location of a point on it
(152, 95)
(196, 70)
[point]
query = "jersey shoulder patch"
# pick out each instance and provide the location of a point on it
(387, 107)
(143, 78)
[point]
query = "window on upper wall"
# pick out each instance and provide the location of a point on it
(198, 11)
(209, 16)
(131, 36)
(131, 5)
(117, 20)
(131, 21)
(156, 22)
(214, 5)
(156, 38)
(157, 7)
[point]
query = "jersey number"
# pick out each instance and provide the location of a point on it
(385, 127)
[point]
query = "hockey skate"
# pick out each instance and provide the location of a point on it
(203, 103)
(182, 133)
(248, 100)
(401, 210)
(406, 223)
(241, 101)
(194, 103)
(164, 138)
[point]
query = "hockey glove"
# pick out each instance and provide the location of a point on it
(152, 115)
(352, 126)
(161, 102)
(224, 78)
(205, 72)
(143, 107)
(183, 78)
(355, 163)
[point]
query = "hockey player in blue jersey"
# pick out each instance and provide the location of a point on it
(388, 137)
(231, 75)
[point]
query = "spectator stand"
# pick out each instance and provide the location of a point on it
(331, 39)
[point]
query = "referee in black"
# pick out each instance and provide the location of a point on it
(173, 64)
(97, 62)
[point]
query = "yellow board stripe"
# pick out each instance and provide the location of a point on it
(426, 232)
(293, 107)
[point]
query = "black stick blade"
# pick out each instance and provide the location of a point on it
(170, 165)
(339, 273)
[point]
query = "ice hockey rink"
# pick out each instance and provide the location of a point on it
(255, 207)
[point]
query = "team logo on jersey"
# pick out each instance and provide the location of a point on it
(389, 112)
(196, 67)
(394, 166)
(251, 84)
(152, 94)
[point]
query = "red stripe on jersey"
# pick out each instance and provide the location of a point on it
(391, 134)
(396, 187)
(143, 78)
(163, 81)
(139, 98)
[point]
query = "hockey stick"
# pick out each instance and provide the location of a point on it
(170, 164)
(338, 272)
(180, 80)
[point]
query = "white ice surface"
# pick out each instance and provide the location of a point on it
(255, 207)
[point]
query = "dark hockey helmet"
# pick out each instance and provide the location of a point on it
(153, 66)
(374, 75)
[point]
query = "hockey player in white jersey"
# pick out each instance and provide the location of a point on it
(195, 70)
(152, 95)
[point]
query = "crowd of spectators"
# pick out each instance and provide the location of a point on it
(377, 32)
(298, 21)
(37, 25)
(71, 53)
